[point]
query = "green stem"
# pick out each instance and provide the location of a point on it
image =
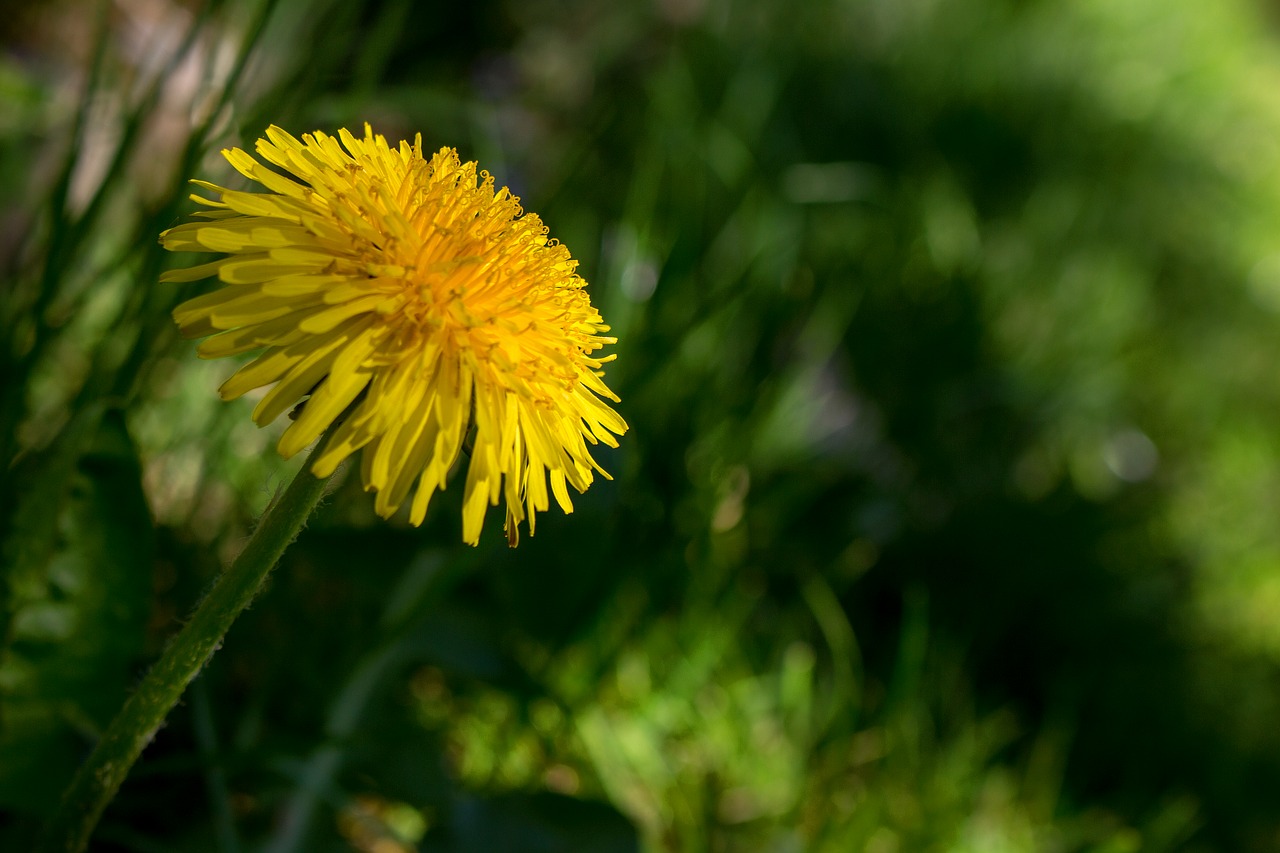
(143, 713)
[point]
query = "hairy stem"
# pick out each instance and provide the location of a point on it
(144, 712)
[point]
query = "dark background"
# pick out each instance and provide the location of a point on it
(949, 517)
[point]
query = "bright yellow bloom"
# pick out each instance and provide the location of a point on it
(405, 288)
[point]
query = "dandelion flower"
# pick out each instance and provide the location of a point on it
(403, 290)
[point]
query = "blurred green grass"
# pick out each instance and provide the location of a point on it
(947, 520)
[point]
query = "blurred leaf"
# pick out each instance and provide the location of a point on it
(78, 624)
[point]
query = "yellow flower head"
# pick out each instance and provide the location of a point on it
(404, 288)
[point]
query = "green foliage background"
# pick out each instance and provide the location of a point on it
(949, 519)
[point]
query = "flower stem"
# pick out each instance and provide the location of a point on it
(144, 712)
